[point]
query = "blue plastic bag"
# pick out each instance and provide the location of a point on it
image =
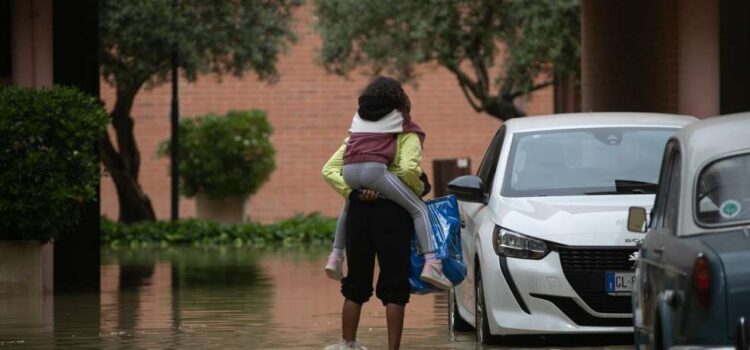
(446, 233)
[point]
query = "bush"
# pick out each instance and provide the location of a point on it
(312, 228)
(224, 156)
(48, 165)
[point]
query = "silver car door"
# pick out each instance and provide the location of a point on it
(656, 275)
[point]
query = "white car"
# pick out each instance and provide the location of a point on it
(544, 223)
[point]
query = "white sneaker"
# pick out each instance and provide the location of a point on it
(334, 267)
(344, 345)
(356, 346)
(432, 273)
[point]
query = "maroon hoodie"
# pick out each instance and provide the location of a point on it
(377, 143)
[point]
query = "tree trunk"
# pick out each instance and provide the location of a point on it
(501, 108)
(123, 163)
(134, 203)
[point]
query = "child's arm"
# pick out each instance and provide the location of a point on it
(332, 172)
(409, 160)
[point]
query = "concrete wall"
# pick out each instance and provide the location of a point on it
(698, 57)
(656, 56)
(52, 41)
(25, 268)
(629, 56)
(31, 58)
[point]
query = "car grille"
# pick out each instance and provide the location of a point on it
(580, 317)
(585, 269)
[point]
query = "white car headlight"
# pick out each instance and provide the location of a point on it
(515, 245)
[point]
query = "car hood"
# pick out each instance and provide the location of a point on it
(596, 220)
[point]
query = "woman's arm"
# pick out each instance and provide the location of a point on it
(409, 158)
(332, 172)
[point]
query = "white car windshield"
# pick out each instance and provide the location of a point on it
(591, 161)
(723, 193)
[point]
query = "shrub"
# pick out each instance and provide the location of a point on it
(48, 165)
(312, 228)
(224, 156)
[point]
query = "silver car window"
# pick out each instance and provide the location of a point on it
(489, 163)
(589, 161)
(723, 193)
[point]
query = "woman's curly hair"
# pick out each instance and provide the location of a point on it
(384, 86)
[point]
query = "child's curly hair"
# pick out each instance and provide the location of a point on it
(389, 87)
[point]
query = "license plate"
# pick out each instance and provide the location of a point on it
(619, 282)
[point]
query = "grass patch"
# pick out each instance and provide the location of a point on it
(301, 229)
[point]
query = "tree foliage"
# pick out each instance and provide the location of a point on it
(48, 168)
(224, 37)
(137, 41)
(498, 50)
(224, 156)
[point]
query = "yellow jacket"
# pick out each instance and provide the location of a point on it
(405, 165)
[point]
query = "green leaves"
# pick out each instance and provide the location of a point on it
(48, 165)
(312, 228)
(547, 44)
(536, 41)
(225, 155)
(138, 38)
(223, 37)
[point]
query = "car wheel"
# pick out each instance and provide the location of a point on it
(455, 322)
(480, 312)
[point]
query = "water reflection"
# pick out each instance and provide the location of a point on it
(197, 298)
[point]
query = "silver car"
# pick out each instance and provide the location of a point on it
(692, 288)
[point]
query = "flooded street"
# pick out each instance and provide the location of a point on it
(199, 298)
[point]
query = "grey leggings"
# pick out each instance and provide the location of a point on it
(375, 176)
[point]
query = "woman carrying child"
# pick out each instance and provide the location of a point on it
(372, 227)
(381, 125)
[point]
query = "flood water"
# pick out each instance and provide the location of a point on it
(200, 298)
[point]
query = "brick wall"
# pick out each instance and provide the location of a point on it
(310, 112)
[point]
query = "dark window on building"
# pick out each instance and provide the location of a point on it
(5, 27)
(734, 55)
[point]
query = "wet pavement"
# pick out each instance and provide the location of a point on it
(227, 298)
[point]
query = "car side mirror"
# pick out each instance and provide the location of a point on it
(637, 220)
(468, 188)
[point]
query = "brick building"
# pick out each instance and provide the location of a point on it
(669, 56)
(310, 111)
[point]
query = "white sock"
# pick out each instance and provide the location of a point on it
(430, 258)
(339, 253)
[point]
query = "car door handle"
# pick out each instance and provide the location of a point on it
(658, 251)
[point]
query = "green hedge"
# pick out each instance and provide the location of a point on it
(310, 229)
(48, 165)
(224, 156)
